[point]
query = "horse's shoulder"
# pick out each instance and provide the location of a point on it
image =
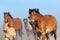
(48, 16)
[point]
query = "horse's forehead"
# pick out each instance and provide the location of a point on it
(6, 14)
(34, 15)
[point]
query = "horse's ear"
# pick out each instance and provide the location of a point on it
(30, 10)
(37, 10)
(8, 13)
(4, 13)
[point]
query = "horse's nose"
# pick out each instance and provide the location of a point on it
(5, 31)
(5, 21)
(28, 17)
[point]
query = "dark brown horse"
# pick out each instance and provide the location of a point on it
(45, 23)
(16, 23)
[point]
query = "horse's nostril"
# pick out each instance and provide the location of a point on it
(5, 21)
(5, 31)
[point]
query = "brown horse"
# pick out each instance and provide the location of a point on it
(45, 23)
(16, 23)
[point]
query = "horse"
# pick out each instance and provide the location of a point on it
(27, 24)
(16, 23)
(10, 33)
(45, 24)
(29, 29)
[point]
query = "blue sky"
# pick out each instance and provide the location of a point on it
(19, 8)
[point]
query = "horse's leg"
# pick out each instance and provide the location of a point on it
(38, 38)
(11, 38)
(35, 35)
(47, 36)
(43, 35)
(14, 38)
(6, 38)
(55, 36)
(38, 35)
(20, 33)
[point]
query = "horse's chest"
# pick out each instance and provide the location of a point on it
(41, 26)
(10, 24)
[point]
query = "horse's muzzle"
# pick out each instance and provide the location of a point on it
(5, 31)
(5, 21)
(28, 17)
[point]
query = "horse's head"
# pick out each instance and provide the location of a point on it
(25, 20)
(33, 24)
(5, 27)
(33, 14)
(27, 25)
(7, 16)
(9, 31)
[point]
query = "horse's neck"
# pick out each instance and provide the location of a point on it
(39, 18)
(10, 19)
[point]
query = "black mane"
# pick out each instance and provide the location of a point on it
(8, 14)
(31, 10)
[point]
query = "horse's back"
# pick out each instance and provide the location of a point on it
(17, 23)
(50, 22)
(49, 18)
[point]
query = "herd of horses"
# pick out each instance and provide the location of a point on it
(42, 25)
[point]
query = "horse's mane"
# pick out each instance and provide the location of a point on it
(8, 14)
(39, 14)
(36, 10)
